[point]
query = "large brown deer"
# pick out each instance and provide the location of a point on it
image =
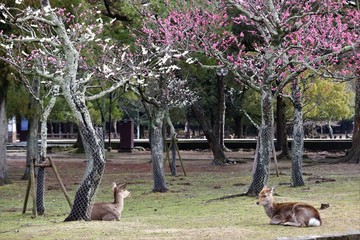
(107, 211)
(289, 213)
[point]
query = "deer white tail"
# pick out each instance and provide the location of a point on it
(313, 222)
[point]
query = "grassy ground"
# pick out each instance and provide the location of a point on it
(184, 212)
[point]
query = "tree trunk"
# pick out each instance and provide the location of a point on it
(40, 190)
(74, 95)
(331, 131)
(32, 150)
(94, 148)
(297, 146)
(281, 137)
(238, 129)
(157, 150)
(353, 155)
(220, 116)
(4, 178)
(266, 136)
(218, 152)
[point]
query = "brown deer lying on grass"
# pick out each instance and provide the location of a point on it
(290, 213)
(110, 211)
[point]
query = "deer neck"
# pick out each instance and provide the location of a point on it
(270, 208)
(119, 201)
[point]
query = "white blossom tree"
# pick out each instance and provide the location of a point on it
(51, 44)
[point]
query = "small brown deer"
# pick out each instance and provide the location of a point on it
(289, 213)
(110, 211)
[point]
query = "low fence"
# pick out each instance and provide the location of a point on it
(195, 144)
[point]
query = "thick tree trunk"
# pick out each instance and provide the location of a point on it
(353, 155)
(238, 129)
(74, 95)
(32, 150)
(157, 151)
(4, 178)
(266, 136)
(297, 146)
(218, 152)
(94, 148)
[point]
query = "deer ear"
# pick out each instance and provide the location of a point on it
(272, 189)
(122, 186)
(113, 185)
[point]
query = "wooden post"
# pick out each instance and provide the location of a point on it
(181, 162)
(31, 185)
(60, 181)
(167, 158)
(27, 196)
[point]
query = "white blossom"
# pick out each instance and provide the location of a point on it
(47, 9)
(123, 56)
(5, 15)
(189, 61)
(144, 50)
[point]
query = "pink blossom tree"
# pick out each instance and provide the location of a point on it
(296, 36)
(179, 25)
(291, 37)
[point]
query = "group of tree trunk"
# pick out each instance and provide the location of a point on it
(93, 141)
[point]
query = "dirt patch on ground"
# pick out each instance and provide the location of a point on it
(72, 165)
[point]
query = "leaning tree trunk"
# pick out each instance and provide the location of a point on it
(157, 149)
(353, 155)
(216, 148)
(297, 145)
(93, 143)
(94, 149)
(266, 138)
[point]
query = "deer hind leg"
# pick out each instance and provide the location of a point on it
(110, 217)
(296, 220)
(294, 224)
(276, 220)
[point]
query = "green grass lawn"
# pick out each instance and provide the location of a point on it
(185, 212)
